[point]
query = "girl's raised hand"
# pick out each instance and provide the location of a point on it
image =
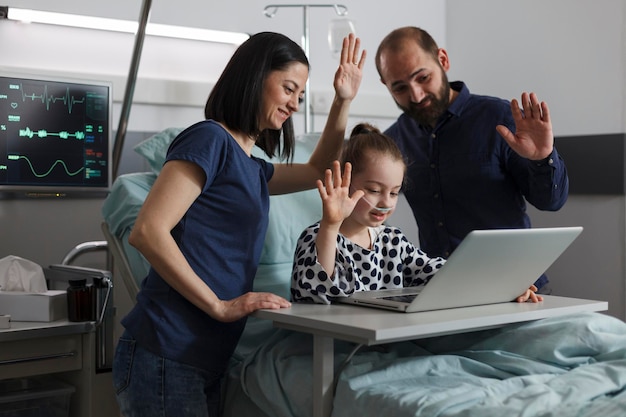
(530, 294)
(335, 193)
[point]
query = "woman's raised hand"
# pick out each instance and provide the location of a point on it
(350, 72)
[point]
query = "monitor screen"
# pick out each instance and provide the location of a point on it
(55, 136)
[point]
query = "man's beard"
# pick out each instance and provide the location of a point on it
(428, 116)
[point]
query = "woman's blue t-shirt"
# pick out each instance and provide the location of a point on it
(221, 236)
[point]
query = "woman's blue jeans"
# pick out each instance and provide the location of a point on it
(148, 385)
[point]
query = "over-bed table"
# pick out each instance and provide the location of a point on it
(370, 327)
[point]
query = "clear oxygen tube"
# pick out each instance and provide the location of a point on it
(380, 209)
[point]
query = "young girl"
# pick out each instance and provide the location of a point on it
(351, 249)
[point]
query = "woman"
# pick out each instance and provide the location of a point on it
(203, 224)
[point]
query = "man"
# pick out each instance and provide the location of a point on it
(466, 168)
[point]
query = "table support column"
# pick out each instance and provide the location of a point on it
(323, 375)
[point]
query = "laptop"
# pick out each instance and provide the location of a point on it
(488, 267)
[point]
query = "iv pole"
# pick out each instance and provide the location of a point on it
(270, 11)
(130, 85)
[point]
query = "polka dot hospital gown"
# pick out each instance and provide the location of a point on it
(393, 262)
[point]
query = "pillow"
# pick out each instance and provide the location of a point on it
(290, 213)
(155, 147)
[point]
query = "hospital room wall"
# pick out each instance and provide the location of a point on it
(571, 52)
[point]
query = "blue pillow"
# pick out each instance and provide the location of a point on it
(154, 148)
(290, 213)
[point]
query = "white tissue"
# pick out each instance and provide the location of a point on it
(19, 274)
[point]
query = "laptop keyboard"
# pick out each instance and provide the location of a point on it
(401, 298)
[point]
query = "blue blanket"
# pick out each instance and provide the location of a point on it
(567, 366)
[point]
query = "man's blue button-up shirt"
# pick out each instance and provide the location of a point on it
(462, 175)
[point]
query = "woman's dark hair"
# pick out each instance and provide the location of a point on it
(364, 140)
(237, 95)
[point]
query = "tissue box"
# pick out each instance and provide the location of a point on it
(46, 306)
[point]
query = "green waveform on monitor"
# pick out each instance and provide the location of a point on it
(45, 174)
(42, 133)
(67, 99)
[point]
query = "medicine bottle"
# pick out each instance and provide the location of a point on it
(79, 300)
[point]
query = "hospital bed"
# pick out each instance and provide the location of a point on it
(572, 365)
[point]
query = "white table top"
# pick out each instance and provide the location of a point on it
(372, 326)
